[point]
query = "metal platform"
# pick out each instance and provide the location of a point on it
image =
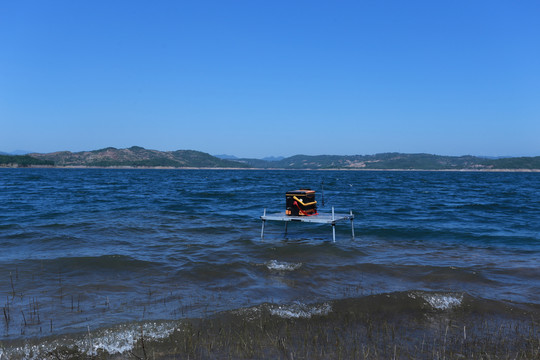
(331, 219)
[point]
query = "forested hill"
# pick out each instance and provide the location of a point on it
(139, 157)
(22, 161)
(397, 161)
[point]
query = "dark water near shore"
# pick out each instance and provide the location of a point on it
(101, 252)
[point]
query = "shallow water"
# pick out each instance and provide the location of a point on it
(93, 250)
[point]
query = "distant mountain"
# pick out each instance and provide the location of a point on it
(138, 157)
(273, 158)
(265, 163)
(232, 157)
(20, 152)
(396, 161)
(226, 157)
(16, 152)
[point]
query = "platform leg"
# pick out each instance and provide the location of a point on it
(352, 225)
(286, 222)
(333, 226)
(263, 221)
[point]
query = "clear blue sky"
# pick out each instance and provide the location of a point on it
(258, 78)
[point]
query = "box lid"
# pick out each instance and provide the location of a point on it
(301, 192)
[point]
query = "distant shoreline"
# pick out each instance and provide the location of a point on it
(140, 158)
(75, 167)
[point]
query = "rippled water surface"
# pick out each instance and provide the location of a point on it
(88, 249)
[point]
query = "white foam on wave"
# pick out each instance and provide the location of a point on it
(441, 301)
(299, 310)
(116, 340)
(120, 340)
(282, 265)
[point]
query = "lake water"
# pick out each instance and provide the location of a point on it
(102, 251)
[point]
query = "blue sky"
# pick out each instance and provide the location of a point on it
(259, 78)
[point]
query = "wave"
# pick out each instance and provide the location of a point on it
(294, 310)
(438, 301)
(300, 310)
(282, 265)
(416, 301)
(120, 339)
(92, 264)
(411, 315)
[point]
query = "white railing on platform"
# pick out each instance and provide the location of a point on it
(331, 219)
